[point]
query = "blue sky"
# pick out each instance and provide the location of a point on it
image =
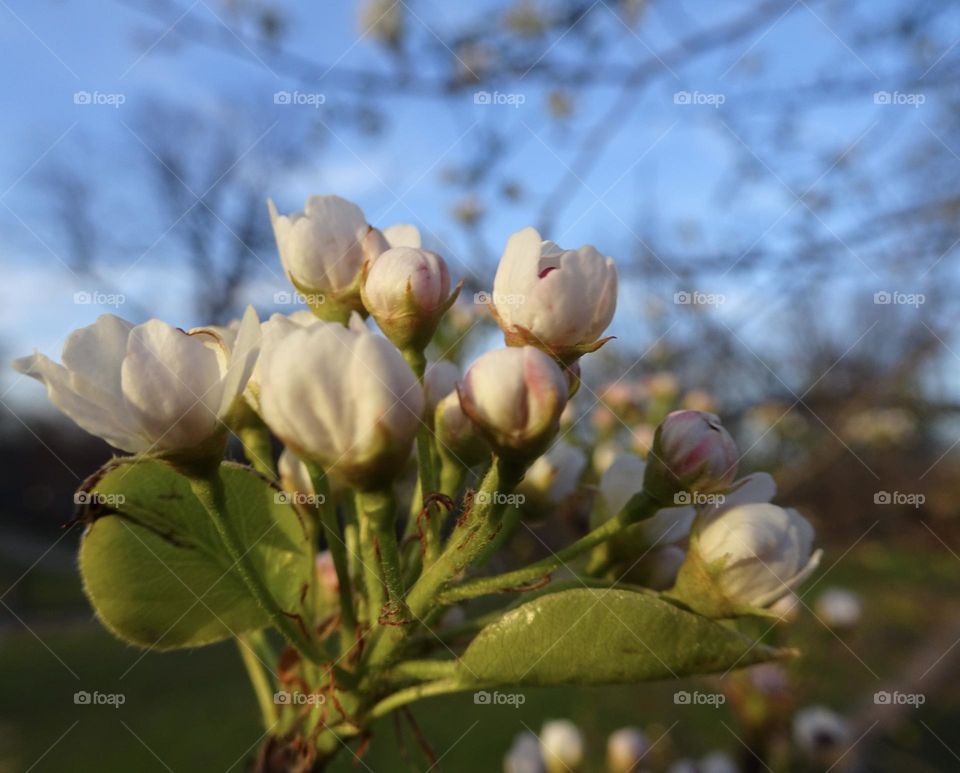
(669, 157)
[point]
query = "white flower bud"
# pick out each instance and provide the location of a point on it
(717, 762)
(691, 452)
(151, 387)
(515, 396)
(558, 300)
(524, 755)
(323, 250)
(555, 475)
(457, 436)
(626, 748)
(759, 552)
(407, 290)
(342, 397)
(839, 608)
(786, 608)
(561, 745)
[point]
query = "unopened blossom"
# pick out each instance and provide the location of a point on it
(343, 398)
(457, 436)
(786, 608)
(524, 755)
(692, 452)
(554, 475)
(839, 608)
(558, 300)
(757, 551)
(150, 388)
(323, 250)
(329, 583)
(407, 290)
(561, 744)
(626, 749)
(515, 396)
(717, 762)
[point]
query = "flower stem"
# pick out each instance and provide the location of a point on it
(640, 507)
(250, 645)
(373, 588)
(379, 508)
(257, 446)
(209, 490)
(337, 547)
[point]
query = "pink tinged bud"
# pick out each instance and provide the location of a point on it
(691, 452)
(407, 291)
(515, 397)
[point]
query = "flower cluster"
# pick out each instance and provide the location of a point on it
(379, 423)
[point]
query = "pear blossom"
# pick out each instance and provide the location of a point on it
(515, 397)
(561, 744)
(839, 608)
(820, 733)
(342, 397)
(524, 755)
(150, 388)
(407, 290)
(323, 250)
(558, 300)
(626, 748)
(457, 436)
(692, 452)
(717, 762)
(760, 551)
(555, 475)
(661, 567)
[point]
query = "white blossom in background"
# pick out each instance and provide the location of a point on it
(150, 387)
(555, 475)
(342, 397)
(558, 300)
(839, 608)
(626, 749)
(820, 733)
(717, 762)
(440, 380)
(561, 744)
(524, 755)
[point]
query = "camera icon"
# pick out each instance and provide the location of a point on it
(481, 298)
(283, 297)
(282, 498)
(682, 698)
(82, 698)
(482, 98)
(882, 498)
(282, 697)
(82, 498)
(683, 498)
(282, 98)
(683, 298)
(882, 298)
(82, 98)
(82, 298)
(482, 698)
(682, 98)
(882, 698)
(882, 98)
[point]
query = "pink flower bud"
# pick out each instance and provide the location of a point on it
(691, 452)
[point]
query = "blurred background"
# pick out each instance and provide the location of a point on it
(778, 181)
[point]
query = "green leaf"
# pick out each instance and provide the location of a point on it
(594, 636)
(153, 565)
